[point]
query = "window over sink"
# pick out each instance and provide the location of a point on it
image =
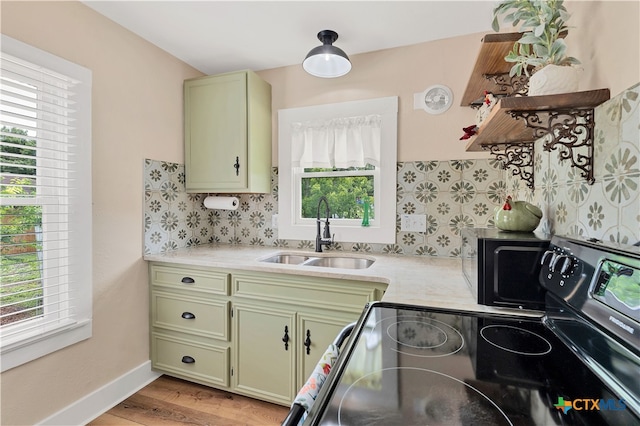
(346, 152)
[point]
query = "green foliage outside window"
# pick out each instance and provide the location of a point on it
(346, 194)
(16, 169)
(20, 265)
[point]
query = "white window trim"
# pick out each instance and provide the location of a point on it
(381, 230)
(34, 345)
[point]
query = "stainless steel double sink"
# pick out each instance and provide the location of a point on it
(328, 261)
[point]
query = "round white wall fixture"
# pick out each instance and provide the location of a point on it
(435, 100)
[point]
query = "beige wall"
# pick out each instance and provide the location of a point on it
(137, 113)
(605, 38)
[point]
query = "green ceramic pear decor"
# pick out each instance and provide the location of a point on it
(517, 216)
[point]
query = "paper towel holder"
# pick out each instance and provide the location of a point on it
(218, 202)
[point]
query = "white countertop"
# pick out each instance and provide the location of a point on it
(415, 280)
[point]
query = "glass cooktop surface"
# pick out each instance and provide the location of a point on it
(407, 365)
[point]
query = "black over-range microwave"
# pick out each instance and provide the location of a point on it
(502, 268)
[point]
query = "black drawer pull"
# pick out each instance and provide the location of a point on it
(188, 315)
(188, 280)
(188, 359)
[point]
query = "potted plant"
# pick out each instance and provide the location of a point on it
(541, 47)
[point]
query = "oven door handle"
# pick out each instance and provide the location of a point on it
(344, 333)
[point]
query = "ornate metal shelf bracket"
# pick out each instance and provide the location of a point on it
(510, 86)
(570, 132)
(518, 157)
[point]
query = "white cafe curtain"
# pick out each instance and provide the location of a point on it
(337, 143)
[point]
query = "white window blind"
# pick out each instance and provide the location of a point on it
(45, 194)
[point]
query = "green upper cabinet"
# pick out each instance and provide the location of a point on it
(227, 133)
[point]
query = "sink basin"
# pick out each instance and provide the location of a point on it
(291, 259)
(340, 262)
(330, 261)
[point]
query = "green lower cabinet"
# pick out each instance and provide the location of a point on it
(256, 334)
(264, 359)
(315, 333)
(276, 349)
(189, 318)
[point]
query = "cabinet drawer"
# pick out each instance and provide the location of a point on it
(208, 318)
(190, 278)
(304, 291)
(199, 361)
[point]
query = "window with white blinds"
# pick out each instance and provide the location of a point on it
(45, 203)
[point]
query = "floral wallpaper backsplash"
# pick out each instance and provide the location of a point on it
(609, 209)
(452, 195)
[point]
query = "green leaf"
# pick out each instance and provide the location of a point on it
(515, 70)
(511, 57)
(509, 18)
(529, 38)
(524, 50)
(495, 24)
(540, 51)
(530, 23)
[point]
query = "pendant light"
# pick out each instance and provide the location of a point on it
(327, 61)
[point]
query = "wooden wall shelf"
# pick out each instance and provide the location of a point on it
(490, 61)
(503, 127)
(517, 120)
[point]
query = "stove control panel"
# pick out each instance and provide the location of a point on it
(562, 270)
(600, 281)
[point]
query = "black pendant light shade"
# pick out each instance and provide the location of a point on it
(327, 61)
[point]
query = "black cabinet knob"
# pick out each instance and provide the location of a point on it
(188, 359)
(307, 342)
(237, 166)
(285, 338)
(188, 315)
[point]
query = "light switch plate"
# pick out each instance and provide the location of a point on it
(413, 222)
(274, 221)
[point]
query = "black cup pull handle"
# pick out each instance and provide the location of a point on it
(188, 359)
(237, 166)
(187, 280)
(307, 342)
(285, 338)
(188, 315)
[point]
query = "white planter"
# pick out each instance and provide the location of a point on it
(554, 79)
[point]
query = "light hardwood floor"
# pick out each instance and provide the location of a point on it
(171, 401)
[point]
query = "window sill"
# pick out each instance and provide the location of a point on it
(25, 350)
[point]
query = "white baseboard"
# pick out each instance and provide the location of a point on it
(97, 402)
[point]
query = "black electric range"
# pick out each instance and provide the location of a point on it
(410, 365)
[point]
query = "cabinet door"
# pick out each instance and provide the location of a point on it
(315, 333)
(216, 132)
(264, 343)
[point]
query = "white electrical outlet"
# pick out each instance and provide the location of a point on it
(413, 222)
(274, 221)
